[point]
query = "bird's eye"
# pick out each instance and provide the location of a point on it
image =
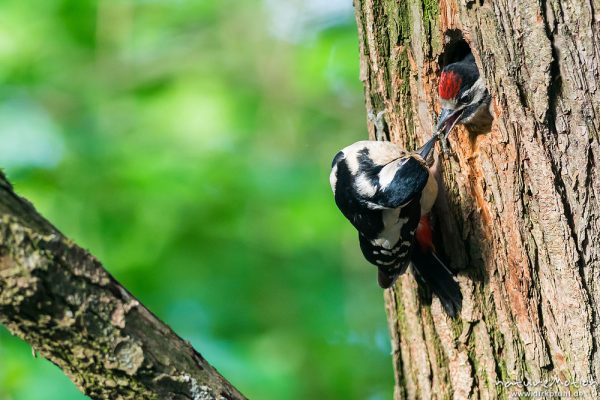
(465, 98)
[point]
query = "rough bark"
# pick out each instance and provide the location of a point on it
(58, 298)
(518, 211)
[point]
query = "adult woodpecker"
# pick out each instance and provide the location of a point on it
(464, 98)
(387, 193)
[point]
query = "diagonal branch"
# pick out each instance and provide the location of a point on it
(59, 298)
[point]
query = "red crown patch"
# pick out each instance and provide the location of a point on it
(449, 85)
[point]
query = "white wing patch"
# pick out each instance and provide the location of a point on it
(387, 173)
(382, 242)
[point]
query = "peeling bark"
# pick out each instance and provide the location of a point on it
(58, 298)
(518, 212)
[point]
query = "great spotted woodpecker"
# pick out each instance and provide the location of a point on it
(387, 193)
(464, 98)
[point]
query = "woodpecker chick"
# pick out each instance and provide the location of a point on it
(464, 98)
(387, 193)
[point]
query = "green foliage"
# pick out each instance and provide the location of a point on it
(188, 148)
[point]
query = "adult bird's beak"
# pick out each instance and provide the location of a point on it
(447, 119)
(425, 150)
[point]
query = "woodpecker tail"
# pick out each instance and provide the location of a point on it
(431, 270)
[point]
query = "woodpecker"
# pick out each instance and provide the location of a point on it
(464, 98)
(387, 193)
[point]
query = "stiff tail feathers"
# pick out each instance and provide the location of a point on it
(431, 270)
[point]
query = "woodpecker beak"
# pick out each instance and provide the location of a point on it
(425, 150)
(447, 119)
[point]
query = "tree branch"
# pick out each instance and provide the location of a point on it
(59, 298)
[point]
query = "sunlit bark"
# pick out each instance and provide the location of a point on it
(519, 210)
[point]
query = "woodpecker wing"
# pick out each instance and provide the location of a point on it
(410, 175)
(382, 175)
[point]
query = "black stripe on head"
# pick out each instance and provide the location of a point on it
(350, 203)
(474, 109)
(368, 167)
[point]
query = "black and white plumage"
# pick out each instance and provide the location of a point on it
(387, 193)
(464, 98)
(379, 189)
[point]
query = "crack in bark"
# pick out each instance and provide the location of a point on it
(554, 91)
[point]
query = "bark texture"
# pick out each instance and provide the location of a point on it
(58, 298)
(518, 212)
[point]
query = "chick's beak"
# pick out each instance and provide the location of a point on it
(447, 119)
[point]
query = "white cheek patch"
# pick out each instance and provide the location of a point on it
(333, 177)
(475, 114)
(351, 154)
(364, 186)
(479, 89)
(380, 153)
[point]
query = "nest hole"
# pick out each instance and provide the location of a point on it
(456, 48)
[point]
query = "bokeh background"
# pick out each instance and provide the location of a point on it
(187, 144)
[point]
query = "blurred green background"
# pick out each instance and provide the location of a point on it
(187, 144)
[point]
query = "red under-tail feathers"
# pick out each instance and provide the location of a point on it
(424, 233)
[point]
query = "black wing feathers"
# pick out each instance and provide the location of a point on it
(408, 183)
(409, 180)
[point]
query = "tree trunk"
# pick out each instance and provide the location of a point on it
(58, 298)
(518, 211)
